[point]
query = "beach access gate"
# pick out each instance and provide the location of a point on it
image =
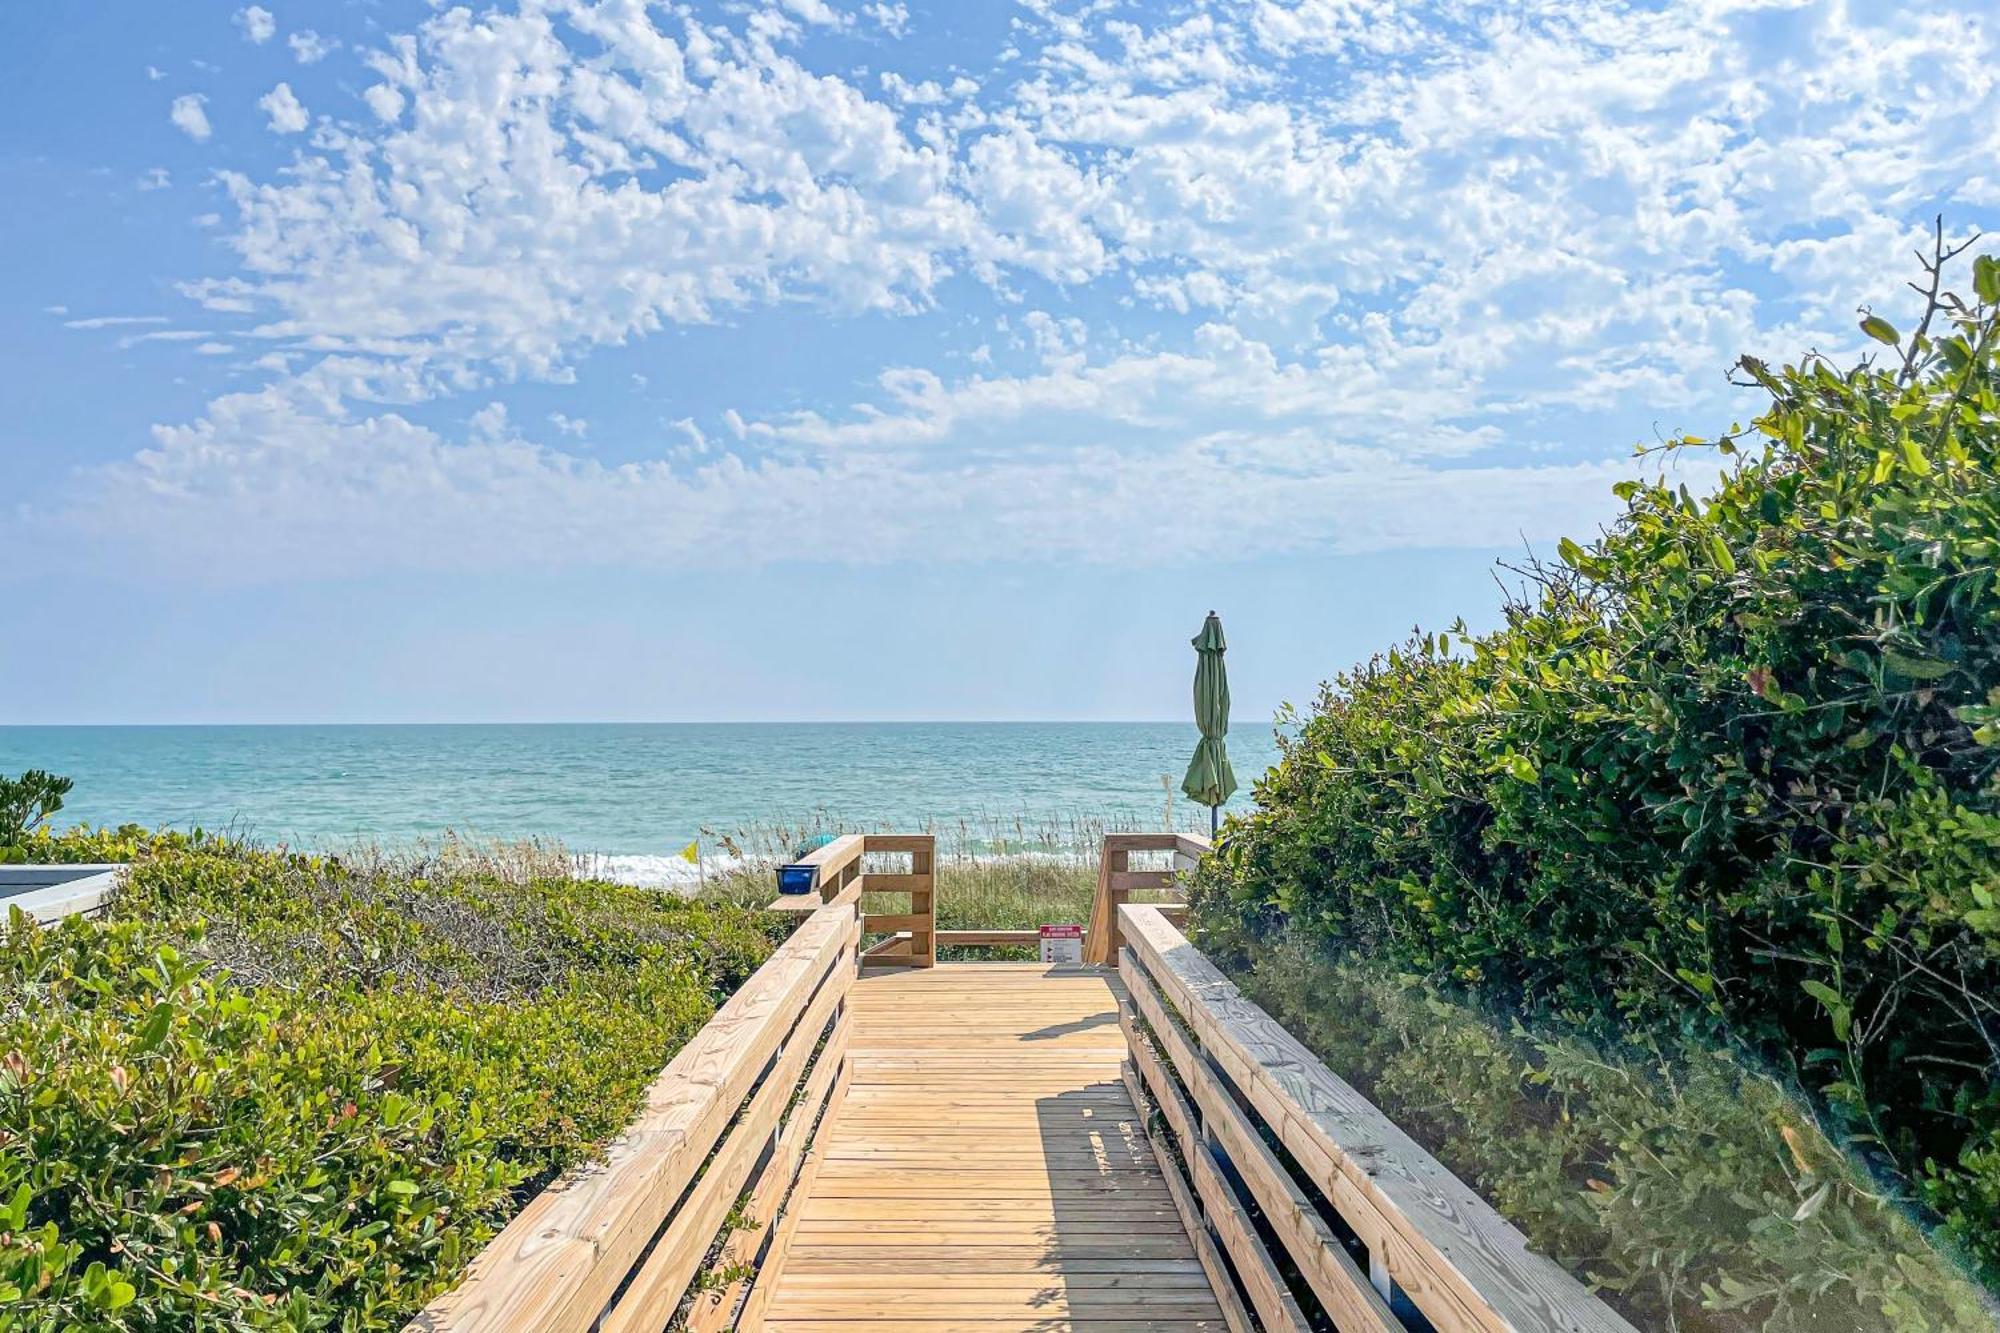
(864, 1138)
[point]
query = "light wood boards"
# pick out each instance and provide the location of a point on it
(1456, 1259)
(760, 1243)
(556, 1267)
(1338, 1282)
(918, 923)
(678, 1254)
(1117, 882)
(990, 939)
(987, 1170)
(51, 892)
(842, 879)
(1233, 1312)
(1223, 1214)
(773, 1263)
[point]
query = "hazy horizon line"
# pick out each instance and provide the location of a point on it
(633, 722)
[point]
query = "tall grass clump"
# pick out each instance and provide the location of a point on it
(283, 1091)
(991, 875)
(1728, 769)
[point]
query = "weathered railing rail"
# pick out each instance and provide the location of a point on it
(51, 892)
(618, 1245)
(1117, 882)
(1367, 1218)
(910, 935)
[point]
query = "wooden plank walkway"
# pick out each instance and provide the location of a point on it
(986, 1171)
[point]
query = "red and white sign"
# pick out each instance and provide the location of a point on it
(1062, 944)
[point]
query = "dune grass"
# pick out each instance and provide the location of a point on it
(987, 893)
(272, 1090)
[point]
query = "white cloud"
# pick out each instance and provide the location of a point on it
(162, 336)
(385, 101)
(309, 48)
(287, 115)
(892, 19)
(188, 117)
(257, 23)
(1036, 203)
(489, 422)
(816, 12)
(114, 321)
(1359, 273)
(503, 230)
(155, 178)
(269, 486)
(155, 74)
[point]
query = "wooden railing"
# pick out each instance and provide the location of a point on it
(617, 1245)
(1362, 1215)
(51, 892)
(1117, 882)
(909, 937)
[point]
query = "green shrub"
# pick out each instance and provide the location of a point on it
(26, 805)
(1693, 1192)
(1733, 762)
(286, 1091)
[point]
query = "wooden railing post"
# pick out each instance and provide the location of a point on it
(912, 933)
(1117, 881)
(1100, 944)
(923, 901)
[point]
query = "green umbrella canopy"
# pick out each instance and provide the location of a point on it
(1209, 778)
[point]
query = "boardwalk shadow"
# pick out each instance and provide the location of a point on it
(1055, 1030)
(1115, 1248)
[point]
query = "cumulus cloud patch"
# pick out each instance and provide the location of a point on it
(1367, 275)
(189, 115)
(309, 48)
(258, 24)
(313, 495)
(286, 114)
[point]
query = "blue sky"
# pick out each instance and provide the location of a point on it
(384, 361)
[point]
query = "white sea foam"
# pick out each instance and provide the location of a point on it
(671, 871)
(659, 872)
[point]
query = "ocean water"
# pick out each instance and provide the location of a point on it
(630, 795)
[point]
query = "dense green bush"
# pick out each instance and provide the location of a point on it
(26, 804)
(287, 1091)
(1693, 1192)
(1734, 761)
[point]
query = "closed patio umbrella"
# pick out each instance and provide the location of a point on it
(1209, 778)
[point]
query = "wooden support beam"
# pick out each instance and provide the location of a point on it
(775, 1183)
(1219, 1279)
(990, 939)
(1262, 1282)
(554, 1268)
(912, 843)
(662, 1279)
(1457, 1260)
(888, 923)
(879, 882)
(1342, 1288)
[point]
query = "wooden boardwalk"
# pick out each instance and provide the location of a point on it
(986, 1170)
(978, 1148)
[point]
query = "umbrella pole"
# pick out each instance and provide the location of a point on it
(1213, 820)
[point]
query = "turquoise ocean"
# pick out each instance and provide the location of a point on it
(631, 795)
